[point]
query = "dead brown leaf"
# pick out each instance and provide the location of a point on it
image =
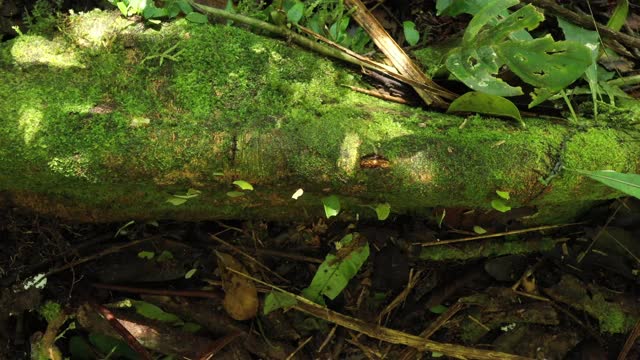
(241, 295)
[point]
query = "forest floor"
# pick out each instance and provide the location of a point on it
(168, 283)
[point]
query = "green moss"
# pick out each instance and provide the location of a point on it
(490, 247)
(82, 111)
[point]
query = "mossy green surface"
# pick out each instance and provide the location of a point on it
(109, 112)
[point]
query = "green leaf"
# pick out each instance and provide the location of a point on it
(184, 6)
(479, 230)
(627, 183)
(490, 11)
(278, 300)
(331, 205)
(503, 194)
(477, 69)
(152, 12)
(146, 255)
(619, 16)
(334, 273)
(438, 309)
(165, 255)
(546, 63)
(485, 104)
(123, 8)
(591, 40)
(243, 185)
(197, 18)
(410, 33)
(190, 273)
(457, 7)
(235, 194)
(383, 211)
(500, 205)
(152, 311)
(295, 13)
(176, 201)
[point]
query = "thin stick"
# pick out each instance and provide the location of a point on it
(118, 327)
(500, 234)
(631, 340)
(111, 250)
(299, 348)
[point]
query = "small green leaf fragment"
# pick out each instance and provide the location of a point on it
(190, 273)
(410, 33)
(243, 185)
(165, 255)
(500, 205)
(278, 300)
(197, 18)
(235, 194)
(176, 201)
(503, 194)
(438, 309)
(331, 205)
(436, 354)
(154, 312)
(146, 255)
(479, 230)
(383, 211)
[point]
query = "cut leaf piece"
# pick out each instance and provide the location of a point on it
(478, 102)
(234, 194)
(278, 300)
(479, 230)
(297, 194)
(331, 205)
(500, 205)
(243, 185)
(503, 194)
(197, 18)
(383, 211)
(241, 295)
(334, 273)
(410, 33)
(627, 183)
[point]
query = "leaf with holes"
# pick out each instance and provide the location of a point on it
(545, 63)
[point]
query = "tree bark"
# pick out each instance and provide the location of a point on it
(108, 120)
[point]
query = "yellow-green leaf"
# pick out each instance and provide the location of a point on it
(383, 211)
(482, 103)
(243, 185)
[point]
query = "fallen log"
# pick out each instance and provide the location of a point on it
(109, 121)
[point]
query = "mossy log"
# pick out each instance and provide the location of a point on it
(107, 120)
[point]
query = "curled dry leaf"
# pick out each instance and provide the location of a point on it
(241, 295)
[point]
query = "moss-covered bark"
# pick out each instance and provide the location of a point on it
(97, 124)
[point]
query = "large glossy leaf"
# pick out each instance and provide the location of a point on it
(485, 104)
(546, 63)
(627, 183)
